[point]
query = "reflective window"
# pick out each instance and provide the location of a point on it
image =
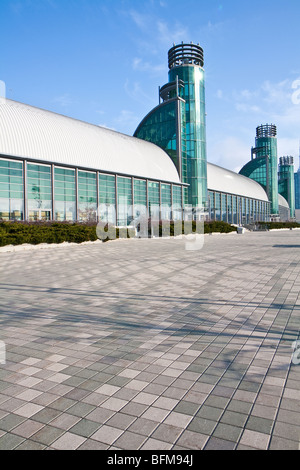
(140, 198)
(64, 194)
(107, 198)
(177, 203)
(39, 192)
(153, 199)
(224, 207)
(229, 209)
(124, 216)
(87, 196)
(218, 206)
(166, 201)
(11, 190)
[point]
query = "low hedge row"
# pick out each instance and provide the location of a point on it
(277, 225)
(17, 233)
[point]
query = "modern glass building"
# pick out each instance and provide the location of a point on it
(297, 188)
(53, 167)
(263, 165)
(178, 125)
(56, 168)
(286, 182)
(235, 199)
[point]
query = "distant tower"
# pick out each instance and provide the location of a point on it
(186, 62)
(263, 165)
(178, 124)
(297, 185)
(286, 182)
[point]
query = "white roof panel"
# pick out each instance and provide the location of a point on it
(29, 132)
(226, 181)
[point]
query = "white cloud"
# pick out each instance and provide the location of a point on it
(136, 92)
(125, 119)
(142, 66)
(169, 34)
(270, 103)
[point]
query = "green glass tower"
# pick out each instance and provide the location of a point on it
(178, 123)
(286, 182)
(263, 164)
(297, 185)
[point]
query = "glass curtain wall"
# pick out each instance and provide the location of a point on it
(229, 209)
(286, 182)
(224, 207)
(297, 189)
(87, 196)
(153, 199)
(124, 207)
(64, 194)
(177, 203)
(140, 198)
(166, 201)
(159, 127)
(193, 93)
(75, 192)
(39, 192)
(218, 206)
(11, 190)
(107, 198)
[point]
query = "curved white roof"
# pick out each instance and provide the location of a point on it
(226, 181)
(29, 132)
(282, 201)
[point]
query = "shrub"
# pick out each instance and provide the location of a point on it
(17, 233)
(277, 225)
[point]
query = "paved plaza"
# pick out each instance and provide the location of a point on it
(142, 344)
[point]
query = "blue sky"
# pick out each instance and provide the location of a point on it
(102, 61)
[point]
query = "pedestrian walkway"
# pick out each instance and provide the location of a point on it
(142, 344)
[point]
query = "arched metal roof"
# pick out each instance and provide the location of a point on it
(282, 201)
(226, 181)
(29, 132)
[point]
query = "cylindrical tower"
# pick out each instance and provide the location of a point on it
(286, 181)
(266, 147)
(186, 66)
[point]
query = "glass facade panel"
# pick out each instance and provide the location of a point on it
(224, 207)
(107, 198)
(39, 192)
(160, 128)
(140, 198)
(193, 92)
(217, 206)
(234, 210)
(286, 185)
(11, 190)
(297, 189)
(153, 199)
(177, 203)
(87, 196)
(166, 201)
(229, 209)
(124, 215)
(64, 194)
(263, 168)
(211, 202)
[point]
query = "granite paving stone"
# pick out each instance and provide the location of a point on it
(143, 344)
